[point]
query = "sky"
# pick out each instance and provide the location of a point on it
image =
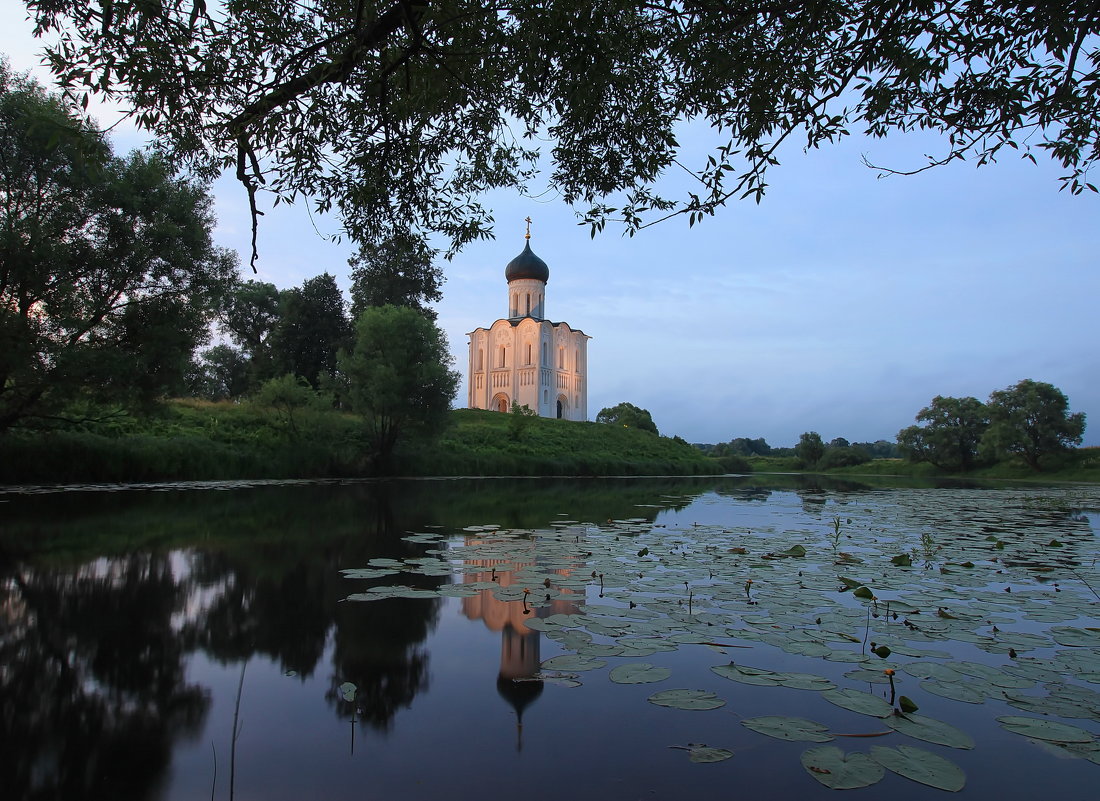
(842, 303)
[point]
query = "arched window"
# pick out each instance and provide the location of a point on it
(480, 359)
(503, 356)
(545, 354)
(528, 353)
(528, 304)
(561, 358)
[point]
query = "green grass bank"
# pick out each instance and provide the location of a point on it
(1079, 464)
(191, 440)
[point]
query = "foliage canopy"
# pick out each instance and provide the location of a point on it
(399, 376)
(1031, 420)
(108, 275)
(810, 449)
(397, 272)
(312, 327)
(951, 434)
(400, 113)
(629, 415)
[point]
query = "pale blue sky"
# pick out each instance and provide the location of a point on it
(841, 304)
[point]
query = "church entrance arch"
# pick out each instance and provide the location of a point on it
(563, 407)
(500, 402)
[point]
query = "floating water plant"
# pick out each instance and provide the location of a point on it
(662, 588)
(703, 753)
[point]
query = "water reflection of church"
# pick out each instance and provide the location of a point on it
(519, 646)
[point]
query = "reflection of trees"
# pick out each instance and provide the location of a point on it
(93, 679)
(378, 647)
(92, 658)
(277, 590)
(282, 610)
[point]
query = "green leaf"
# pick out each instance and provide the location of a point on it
(907, 705)
(863, 592)
(840, 771)
(783, 727)
(920, 766)
(638, 673)
(804, 681)
(902, 560)
(1040, 729)
(1076, 637)
(748, 675)
(696, 700)
(348, 691)
(702, 753)
(863, 703)
(930, 730)
(573, 662)
(956, 692)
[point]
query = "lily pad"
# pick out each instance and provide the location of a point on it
(1040, 729)
(747, 675)
(930, 730)
(703, 753)
(573, 662)
(783, 727)
(920, 766)
(804, 681)
(696, 700)
(1075, 637)
(638, 673)
(956, 692)
(863, 703)
(840, 771)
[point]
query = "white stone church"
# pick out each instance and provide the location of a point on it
(525, 357)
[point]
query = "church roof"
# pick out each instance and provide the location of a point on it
(527, 265)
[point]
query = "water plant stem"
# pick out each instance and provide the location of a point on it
(236, 733)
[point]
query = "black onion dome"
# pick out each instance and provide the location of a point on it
(527, 265)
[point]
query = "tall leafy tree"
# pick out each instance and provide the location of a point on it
(743, 446)
(108, 275)
(400, 376)
(627, 414)
(1031, 419)
(313, 326)
(400, 113)
(810, 449)
(399, 271)
(251, 313)
(951, 433)
(222, 373)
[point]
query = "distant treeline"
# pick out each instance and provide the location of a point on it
(1027, 423)
(743, 446)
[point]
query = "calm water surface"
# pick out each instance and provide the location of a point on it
(141, 627)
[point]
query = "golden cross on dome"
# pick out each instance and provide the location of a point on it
(528, 221)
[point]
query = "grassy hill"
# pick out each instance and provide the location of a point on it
(488, 443)
(197, 440)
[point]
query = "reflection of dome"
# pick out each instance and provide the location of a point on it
(527, 265)
(519, 694)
